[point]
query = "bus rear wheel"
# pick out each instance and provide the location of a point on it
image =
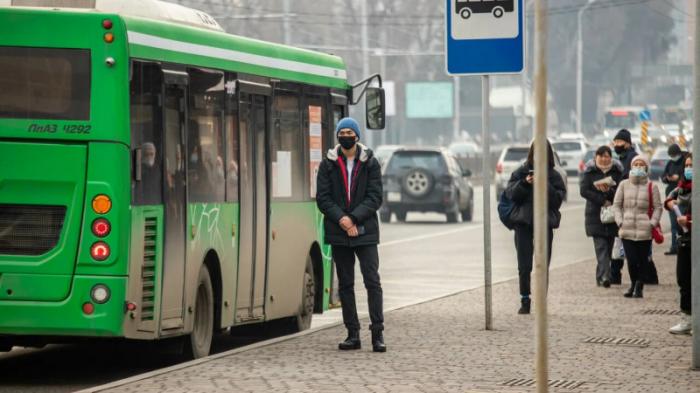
(465, 13)
(198, 343)
(308, 299)
(498, 12)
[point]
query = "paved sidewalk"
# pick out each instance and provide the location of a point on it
(441, 346)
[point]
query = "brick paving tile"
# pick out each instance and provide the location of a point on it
(441, 346)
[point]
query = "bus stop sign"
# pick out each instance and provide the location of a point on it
(484, 37)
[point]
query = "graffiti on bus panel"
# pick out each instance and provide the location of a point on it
(485, 19)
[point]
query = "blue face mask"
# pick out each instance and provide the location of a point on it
(638, 172)
(688, 173)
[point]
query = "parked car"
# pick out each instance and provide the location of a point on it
(571, 153)
(384, 152)
(512, 157)
(426, 180)
(658, 163)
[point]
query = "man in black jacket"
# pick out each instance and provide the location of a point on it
(624, 150)
(349, 193)
(673, 173)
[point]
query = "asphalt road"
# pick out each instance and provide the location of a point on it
(421, 259)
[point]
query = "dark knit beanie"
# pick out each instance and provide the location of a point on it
(623, 135)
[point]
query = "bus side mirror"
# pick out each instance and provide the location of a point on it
(375, 108)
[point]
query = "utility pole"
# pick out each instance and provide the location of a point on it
(540, 200)
(579, 69)
(456, 127)
(695, 251)
(286, 23)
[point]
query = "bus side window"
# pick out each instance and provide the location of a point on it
(146, 133)
(286, 147)
(232, 143)
(205, 144)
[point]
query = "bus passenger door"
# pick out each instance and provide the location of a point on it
(174, 197)
(254, 207)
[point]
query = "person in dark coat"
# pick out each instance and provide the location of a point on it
(349, 193)
(601, 167)
(680, 200)
(625, 153)
(520, 190)
(673, 173)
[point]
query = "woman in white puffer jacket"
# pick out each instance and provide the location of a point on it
(631, 207)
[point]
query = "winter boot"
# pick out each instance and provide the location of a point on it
(630, 292)
(351, 342)
(378, 341)
(616, 271)
(638, 289)
(524, 305)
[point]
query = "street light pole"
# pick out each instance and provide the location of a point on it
(579, 68)
(695, 251)
(287, 27)
(540, 199)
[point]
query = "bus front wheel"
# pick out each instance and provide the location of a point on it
(308, 299)
(498, 12)
(465, 13)
(198, 343)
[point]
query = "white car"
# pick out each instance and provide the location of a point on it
(512, 157)
(571, 152)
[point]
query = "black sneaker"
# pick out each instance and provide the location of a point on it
(524, 306)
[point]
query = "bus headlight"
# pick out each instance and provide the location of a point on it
(100, 294)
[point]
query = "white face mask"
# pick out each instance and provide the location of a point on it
(638, 172)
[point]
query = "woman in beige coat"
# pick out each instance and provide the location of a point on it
(631, 206)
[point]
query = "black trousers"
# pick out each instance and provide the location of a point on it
(683, 275)
(637, 254)
(344, 258)
(525, 248)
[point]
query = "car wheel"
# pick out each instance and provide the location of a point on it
(385, 215)
(452, 217)
(401, 215)
(465, 13)
(468, 214)
(308, 298)
(198, 343)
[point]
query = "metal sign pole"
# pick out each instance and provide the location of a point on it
(486, 165)
(695, 241)
(540, 200)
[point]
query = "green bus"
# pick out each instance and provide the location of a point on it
(157, 175)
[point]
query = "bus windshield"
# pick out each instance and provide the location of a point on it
(616, 120)
(44, 83)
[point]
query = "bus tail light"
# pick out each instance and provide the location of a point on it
(109, 38)
(101, 227)
(100, 251)
(101, 204)
(499, 168)
(88, 308)
(107, 24)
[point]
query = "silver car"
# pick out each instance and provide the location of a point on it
(512, 157)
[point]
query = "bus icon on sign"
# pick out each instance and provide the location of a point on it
(465, 8)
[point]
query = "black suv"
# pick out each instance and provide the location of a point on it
(426, 180)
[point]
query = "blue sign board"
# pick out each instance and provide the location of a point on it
(484, 37)
(645, 115)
